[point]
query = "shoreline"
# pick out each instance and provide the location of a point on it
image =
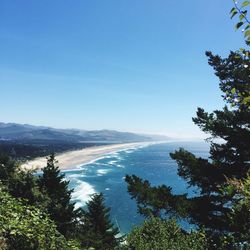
(74, 159)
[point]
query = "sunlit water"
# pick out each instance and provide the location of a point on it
(107, 174)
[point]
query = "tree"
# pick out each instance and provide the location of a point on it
(230, 159)
(240, 215)
(164, 235)
(60, 208)
(234, 77)
(101, 233)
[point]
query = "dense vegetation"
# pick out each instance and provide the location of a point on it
(26, 227)
(36, 212)
(29, 149)
(159, 234)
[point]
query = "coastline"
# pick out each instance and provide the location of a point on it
(72, 159)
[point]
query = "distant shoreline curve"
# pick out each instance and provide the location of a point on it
(74, 159)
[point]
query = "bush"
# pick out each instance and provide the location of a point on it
(157, 234)
(26, 227)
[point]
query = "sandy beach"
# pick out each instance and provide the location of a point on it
(72, 159)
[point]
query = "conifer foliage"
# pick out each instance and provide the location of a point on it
(99, 226)
(215, 204)
(60, 208)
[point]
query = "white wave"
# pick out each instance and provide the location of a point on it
(129, 151)
(115, 163)
(75, 176)
(95, 161)
(102, 171)
(134, 148)
(82, 193)
(114, 154)
(100, 164)
(76, 168)
(112, 162)
(106, 156)
(78, 205)
(119, 166)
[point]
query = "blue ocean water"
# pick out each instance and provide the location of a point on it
(107, 174)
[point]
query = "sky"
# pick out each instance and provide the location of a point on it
(128, 65)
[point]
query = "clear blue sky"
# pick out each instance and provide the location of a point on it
(130, 65)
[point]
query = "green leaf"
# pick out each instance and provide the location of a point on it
(247, 33)
(244, 12)
(245, 3)
(247, 99)
(241, 16)
(247, 27)
(234, 13)
(238, 25)
(233, 10)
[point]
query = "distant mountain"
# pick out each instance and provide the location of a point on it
(25, 132)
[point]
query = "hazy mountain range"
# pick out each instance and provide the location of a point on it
(25, 132)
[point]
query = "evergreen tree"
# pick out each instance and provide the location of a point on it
(230, 159)
(101, 233)
(60, 208)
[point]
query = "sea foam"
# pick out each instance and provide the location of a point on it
(102, 171)
(82, 193)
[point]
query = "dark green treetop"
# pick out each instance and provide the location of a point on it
(101, 232)
(60, 208)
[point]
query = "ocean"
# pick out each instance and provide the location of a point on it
(106, 175)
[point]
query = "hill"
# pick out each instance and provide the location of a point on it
(24, 141)
(25, 132)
